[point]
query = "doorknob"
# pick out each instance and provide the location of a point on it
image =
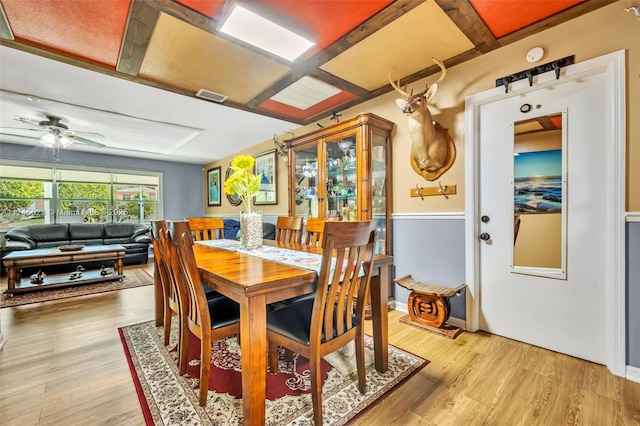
(485, 237)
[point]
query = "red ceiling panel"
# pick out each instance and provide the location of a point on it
(210, 8)
(89, 29)
(325, 21)
(332, 102)
(557, 121)
(505, 16)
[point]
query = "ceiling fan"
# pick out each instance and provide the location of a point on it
(54, 132)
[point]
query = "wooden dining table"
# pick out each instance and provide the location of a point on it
(255, 282)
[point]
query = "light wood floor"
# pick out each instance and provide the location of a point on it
(63, 364)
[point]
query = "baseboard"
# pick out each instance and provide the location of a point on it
(402, 307)
(456, 322)
(633, 374)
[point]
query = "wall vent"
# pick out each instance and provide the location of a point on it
(211, 96)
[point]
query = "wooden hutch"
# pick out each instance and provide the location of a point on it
(344, 171)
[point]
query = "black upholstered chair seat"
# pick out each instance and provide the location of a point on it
(223, 311)
(294, 321)
(211, 293)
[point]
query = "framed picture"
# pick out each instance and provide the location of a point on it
(213, 185)
(266, 165)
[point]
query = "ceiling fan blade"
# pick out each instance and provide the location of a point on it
(26, 120)
(73, 133)
(85, 141)
(25, 129)
(4, 131)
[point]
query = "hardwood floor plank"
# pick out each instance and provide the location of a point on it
(467, 412)
(395, 409)
(450, 390)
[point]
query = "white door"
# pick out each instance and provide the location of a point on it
(551, 287)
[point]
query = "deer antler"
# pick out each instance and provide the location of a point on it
(402, 92)
(426, 85)
(442, 67)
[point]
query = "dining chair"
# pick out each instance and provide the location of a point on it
(208, 320)
(171, 304)
(289, 229)
(203, 229)
(206, 228)
(316, 327)
(314, 231)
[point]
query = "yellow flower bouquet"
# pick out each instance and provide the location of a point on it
(243, 182)
(245, 185)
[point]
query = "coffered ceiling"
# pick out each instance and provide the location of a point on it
(175, 46)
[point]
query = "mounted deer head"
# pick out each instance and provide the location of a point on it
(432, 148)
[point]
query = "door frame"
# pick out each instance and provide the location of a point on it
(613, 253)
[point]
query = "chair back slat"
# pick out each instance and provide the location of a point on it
(352, 245)
(206, 228)
(289, 229)
(187, 274)
(314, 231)
(162, 261)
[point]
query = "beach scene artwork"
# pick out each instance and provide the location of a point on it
(538, 182)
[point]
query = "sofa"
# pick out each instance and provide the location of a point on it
(232, 230)
(133, 236)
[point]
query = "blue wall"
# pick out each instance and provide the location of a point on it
(183, 184)
(431, 249)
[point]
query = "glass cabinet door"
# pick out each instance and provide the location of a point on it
(305, 186)
(341, 177)
(379, 186)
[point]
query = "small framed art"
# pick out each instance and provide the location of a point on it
(213, 185)
(266, 165)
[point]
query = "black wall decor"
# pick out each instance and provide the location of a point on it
(540, 69)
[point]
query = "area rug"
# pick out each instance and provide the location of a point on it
(133, 278)
(168, 398)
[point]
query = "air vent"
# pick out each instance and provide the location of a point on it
(211, 96)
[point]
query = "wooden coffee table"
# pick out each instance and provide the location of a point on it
(16, 260)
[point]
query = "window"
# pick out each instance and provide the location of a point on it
(58, 195)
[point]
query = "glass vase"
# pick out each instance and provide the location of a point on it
(251, 229)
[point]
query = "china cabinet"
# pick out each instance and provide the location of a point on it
(344, 171)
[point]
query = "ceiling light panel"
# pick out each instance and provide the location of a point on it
(305, 93)
(260, 32)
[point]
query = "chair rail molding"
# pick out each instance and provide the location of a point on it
(632, 216)
(429, 216)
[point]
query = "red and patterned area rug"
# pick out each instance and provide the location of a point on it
(133, 278)
(168, 398)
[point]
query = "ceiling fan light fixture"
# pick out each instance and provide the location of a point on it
(65, 141)
(252, 28)
(48, 140)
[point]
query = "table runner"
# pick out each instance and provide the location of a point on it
(277, 254)
(301, 259)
